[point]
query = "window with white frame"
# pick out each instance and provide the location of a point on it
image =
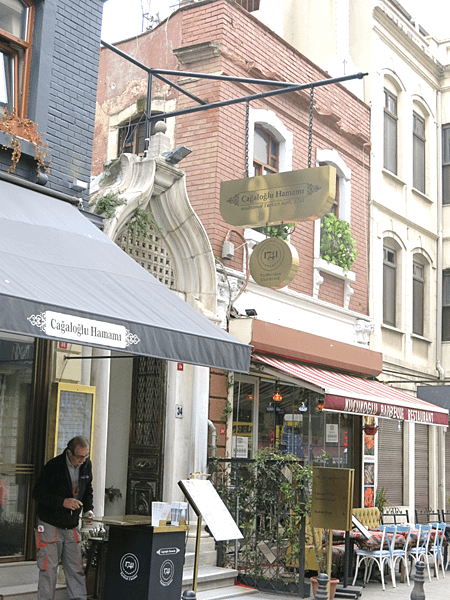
(390, 266)
(270, 143)
(342, 205)
(16, 25)
(446, 164)
(270, 147)
(418, 296)
(390, 131)
(418, 152)
(265, 152)
(446, 306)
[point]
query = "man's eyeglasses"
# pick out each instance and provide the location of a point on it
(80, 456)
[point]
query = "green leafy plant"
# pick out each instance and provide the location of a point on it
(381, 499)
(281, 231)
(107, 204)
(270, 498)
(142, 223)
(337, 245)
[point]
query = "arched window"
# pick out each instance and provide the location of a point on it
(16, 18)
(418, 297)
(390, 283)
(390, 131)
(265, 152)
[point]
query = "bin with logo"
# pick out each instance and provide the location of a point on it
(144, 562)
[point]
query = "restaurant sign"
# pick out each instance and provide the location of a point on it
(380, 409)
(81, 330)
(278, 198)
(273, 263)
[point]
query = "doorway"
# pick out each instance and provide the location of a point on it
(146, 450)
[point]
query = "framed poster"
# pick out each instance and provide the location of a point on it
(74, 414)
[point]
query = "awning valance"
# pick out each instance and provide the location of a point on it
(350, 394)
(62, 278)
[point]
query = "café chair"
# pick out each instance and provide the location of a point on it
(394, 518)
(436, 548)
(427, 516)
(420, 551)
(401, 555)
(381, 557)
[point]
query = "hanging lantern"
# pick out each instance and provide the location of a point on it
(277, 397)
(320, 405)
(250, 397)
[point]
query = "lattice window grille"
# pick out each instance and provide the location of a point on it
(151, 253)
(150, 385)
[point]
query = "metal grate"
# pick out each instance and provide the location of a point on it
(150, 386)
(151, 253)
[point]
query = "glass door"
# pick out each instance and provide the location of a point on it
(16, 376)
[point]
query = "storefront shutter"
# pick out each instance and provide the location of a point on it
(421, 468)
(390, 460)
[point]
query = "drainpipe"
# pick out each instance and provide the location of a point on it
(213, 432)
(439, 261)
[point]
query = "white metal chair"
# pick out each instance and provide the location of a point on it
(421, 548)
(436, 548)
(381, 556)
(401, 555)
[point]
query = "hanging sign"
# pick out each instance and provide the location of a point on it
(273, 263)
(279, 197)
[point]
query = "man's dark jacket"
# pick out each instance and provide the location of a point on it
(54, 486)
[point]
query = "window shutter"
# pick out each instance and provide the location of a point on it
(390, 460)
(421, 468)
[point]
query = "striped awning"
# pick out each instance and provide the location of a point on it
(355, 395)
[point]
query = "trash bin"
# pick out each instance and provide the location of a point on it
(144, 562)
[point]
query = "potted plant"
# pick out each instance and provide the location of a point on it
(337, 245)
(21, 128)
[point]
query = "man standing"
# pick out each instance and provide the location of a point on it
(63, 489)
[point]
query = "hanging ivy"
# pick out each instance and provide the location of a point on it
(281, 231)
(142, 223)
(337, 245)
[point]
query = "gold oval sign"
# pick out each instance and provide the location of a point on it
(273, 263)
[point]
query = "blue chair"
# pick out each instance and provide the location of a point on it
(421, 548)
(381, 556)
(401, 555)
(436, 548)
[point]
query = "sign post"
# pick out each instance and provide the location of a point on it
(207, 503)
(332, 502)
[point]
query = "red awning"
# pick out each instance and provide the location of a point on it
(346, 393)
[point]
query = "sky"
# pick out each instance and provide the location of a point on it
(123, 18)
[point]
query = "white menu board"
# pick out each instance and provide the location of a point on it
(207, 502)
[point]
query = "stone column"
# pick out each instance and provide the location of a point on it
(100, 373)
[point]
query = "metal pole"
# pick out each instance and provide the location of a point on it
(148, 112)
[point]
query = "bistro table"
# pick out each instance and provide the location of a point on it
(372, 543)
(354, 536)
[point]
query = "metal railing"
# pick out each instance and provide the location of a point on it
(272, 554)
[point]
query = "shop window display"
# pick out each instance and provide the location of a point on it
(16, 373)
(287, 418)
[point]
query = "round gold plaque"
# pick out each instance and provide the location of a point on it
(273, 263)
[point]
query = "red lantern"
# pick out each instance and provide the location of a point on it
(277, 397)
